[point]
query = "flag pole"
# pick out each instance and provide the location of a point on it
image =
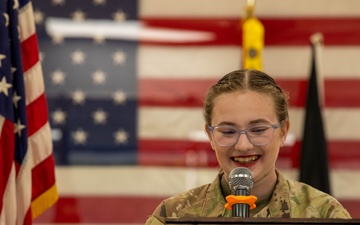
(250, 4)
(317, 40)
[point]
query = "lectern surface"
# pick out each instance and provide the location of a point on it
(255, 221)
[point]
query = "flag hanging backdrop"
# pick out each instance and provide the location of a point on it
(135, 97)
(27, 179)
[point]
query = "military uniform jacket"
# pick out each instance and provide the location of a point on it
(290, 199)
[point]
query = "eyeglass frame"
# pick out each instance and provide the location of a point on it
(245, 131)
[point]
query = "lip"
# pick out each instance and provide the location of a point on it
(246, 161)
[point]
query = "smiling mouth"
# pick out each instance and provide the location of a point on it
(246, 159)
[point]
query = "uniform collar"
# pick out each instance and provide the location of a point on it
(279, 205)
(214, 195)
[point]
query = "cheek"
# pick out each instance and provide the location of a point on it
(272, 149)
(220, 151)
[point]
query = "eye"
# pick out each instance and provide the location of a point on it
(227, 130)
(258, 130)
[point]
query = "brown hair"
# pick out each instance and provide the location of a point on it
(241, 80)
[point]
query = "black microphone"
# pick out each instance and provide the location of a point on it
(241, 183)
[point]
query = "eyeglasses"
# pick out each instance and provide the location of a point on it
(225, 135)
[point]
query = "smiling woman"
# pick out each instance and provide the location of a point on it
(247, 121)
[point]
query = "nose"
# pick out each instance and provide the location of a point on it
(243, 143)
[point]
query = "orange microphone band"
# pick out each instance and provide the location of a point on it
(233, 199)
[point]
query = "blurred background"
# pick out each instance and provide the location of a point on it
(125, 81)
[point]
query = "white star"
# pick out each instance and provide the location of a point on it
(58, 77)
(78, 57)
(119, 57)
(4, 86)
(78, 15)
(18, 127)
(41, 56)
(99, 2)
(99, 77)
(119, 16)
(99, 116)
(57, 39)
(58, 116)
(99, 39)
(15, 99)
(119, 97)
(78, 97)
(121, 137)
(79, 136)
(16, 4)
(58, 2)
(1, 58)
(6, 19)
(38, 16)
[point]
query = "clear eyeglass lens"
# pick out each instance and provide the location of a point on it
(257, 135)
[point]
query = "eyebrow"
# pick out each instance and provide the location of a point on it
(253, 122)
(259, 121)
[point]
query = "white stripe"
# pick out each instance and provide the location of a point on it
(236, 8)
(2, 121)
(26, 19)
(8, 212)
(339, 123)
(34, 83)
(183, 123)
(165, 123)
(187, 62)
(158, 181)
(40, 145)
(214, 62)
(294, 62)
(24, 188)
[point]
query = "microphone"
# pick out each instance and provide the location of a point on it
(241, 182)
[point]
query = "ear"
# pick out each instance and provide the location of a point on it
(285, 130)
(207, 131)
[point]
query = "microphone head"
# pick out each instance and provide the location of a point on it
(241, 178)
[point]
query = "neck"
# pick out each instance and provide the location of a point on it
(264, 186)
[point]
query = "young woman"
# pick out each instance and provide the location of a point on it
(247, 120)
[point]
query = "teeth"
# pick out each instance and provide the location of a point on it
(245, 160)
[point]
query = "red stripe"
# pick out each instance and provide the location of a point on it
(7, 146)
(279, 31)
(121, 210)
(154, 152)
(28, 218)
(30, 52)
(37, 114)
(191, 92)
(342, 93)
(100, 210)
(173, 92)
(43, 176)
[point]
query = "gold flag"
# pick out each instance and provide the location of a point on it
(253, 39)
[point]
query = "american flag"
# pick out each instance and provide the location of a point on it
(125, 80)
(27, 179)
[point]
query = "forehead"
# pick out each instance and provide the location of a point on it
(243, 107)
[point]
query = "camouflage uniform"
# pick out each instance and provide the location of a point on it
(290, 199)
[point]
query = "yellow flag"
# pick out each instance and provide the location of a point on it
(253, 40)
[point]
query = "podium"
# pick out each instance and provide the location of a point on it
(255, 221)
